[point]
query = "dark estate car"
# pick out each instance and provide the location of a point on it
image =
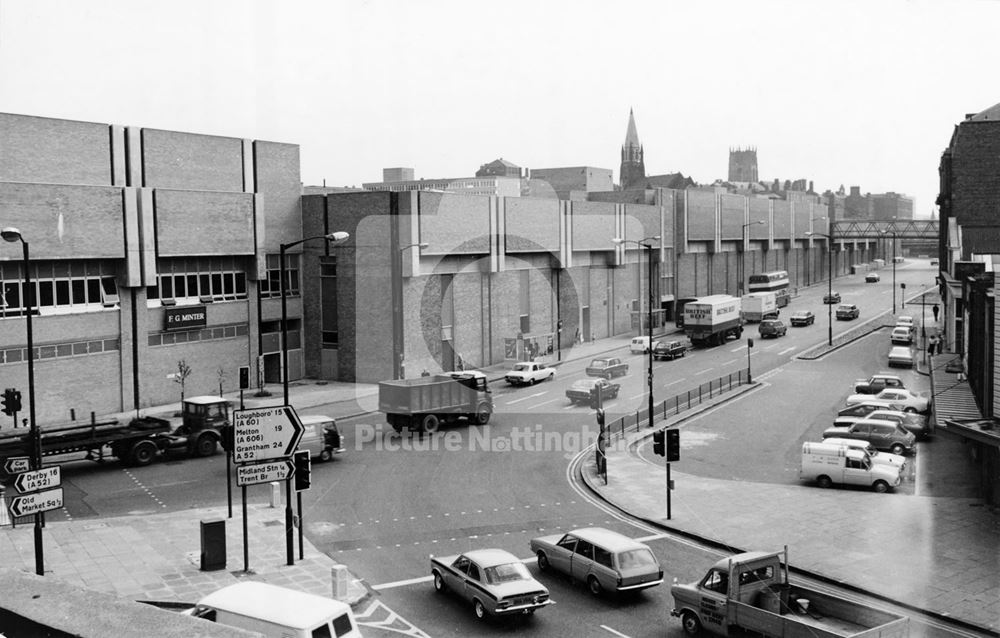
(772, 328)
(802, 318)
(872, 278)
(831, 298)
(668, 350)
(579, 392)
(848, 311)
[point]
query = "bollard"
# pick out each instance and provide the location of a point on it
(339, 576)
(275, 493)
(213, 545)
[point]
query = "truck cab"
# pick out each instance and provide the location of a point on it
(203, 420)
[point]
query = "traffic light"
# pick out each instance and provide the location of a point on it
(595, 397)
(244, 377)
(15, 403)
(600, 419)
(303, 470)
(673, 444)
(658, 443)
(8, 401)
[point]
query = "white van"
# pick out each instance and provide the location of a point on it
(278, 612)
(320, 436)
(885, 458)
(829, 464)
(639, 345)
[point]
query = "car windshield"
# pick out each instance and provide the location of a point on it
(634, 558)
(598, 363)
(583, 384)
(506, 573)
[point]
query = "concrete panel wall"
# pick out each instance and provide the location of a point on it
(453, 224)
(760, 210)
(701, 209)
(642, 221)
(172, 159)
(46, 150)
(731, 215)
(593, 225)
(782, 220)
(277, 179)
(200, 223)
(532, 225)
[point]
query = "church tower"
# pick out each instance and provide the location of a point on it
(633, 169)
(743, 165)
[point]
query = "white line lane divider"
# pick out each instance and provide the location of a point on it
(673, 382)
(538, 405)
(525, 398)
(617, 633)
(705, 371)
(787, 350)
(725, 363)
(743, 347)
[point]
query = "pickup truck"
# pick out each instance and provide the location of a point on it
(529, 373)
(876, 383)
(607, 367)
(751, 591)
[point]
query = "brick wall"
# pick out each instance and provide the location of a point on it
(46, 150)
(189, 161)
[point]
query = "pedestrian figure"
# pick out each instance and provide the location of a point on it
(935, 310)
(932, 345)
(425, 373)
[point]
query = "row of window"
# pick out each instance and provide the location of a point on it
(57, 287)
(59, 350)
(198, 334)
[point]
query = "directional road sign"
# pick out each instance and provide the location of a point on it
(265, 472)
(36, 480)
(16, 464)
(265, 433)
(28, 504)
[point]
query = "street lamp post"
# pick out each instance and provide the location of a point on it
(743, 256)
(337, 238)
(398, 371)
(649, 319)
(829, 286)
(893, 233)
(28, 296)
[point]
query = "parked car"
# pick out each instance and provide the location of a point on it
(579, 392)
(853, 413)
(668, 349)
(772, 328)
(876, 383)
(607, 367)
(495, 581)
(919, 424)
(848, 311)
(901, 335)
(901, 357)
(905, 320)
(873, 278)
(605, 560)
(831, 297)
(909, 401)
(934, 262)
(802, 318)
(884, 435)
(837, 464)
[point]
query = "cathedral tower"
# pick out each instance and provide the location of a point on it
(743, 165)
(633, 170)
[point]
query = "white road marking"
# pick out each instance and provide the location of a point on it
(673, 382)
(706, 370)
(538, 405)
(617, 633)
(743, 347)
(787, 350)
(632, 398)
(725, 363)
(525, 398)
(403, 583)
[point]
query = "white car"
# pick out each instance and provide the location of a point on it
(902, 335)
(910, 401)
(905, 320)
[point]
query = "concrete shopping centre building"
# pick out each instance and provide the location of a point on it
(152, 247)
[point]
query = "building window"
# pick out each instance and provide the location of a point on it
(57, 287)
(328, 302)
(270, 286)
(191, 281)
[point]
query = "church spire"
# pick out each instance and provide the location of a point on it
(632, 173)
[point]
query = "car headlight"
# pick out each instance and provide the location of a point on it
(503, 604)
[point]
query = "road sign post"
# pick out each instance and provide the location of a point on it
(36, 503)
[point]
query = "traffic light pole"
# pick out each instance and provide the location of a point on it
(668, 490)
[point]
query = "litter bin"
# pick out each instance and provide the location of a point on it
(213, 545)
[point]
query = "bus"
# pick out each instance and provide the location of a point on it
(775, 281)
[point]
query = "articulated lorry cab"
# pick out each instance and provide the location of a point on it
(752, 592)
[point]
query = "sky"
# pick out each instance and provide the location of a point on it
(848, 92)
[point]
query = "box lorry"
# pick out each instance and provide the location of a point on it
(424, 403)
(712, 320)
(751, 591)
(758, 306)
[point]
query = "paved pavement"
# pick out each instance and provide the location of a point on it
(937, 554)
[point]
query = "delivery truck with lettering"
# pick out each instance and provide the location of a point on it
(423, 403)
(137, 442)
(752, 592)
(710, 321)
(758, 306)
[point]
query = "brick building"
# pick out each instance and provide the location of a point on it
(147, 247)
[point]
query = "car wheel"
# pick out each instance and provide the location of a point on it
(910, 409)
(439, 583)
(690, 623)
(594, 586)
(897, 449)
(430, 424)
(824, 481)
(479, 609)
(609, 376)
(543, 561)
(880, 487)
